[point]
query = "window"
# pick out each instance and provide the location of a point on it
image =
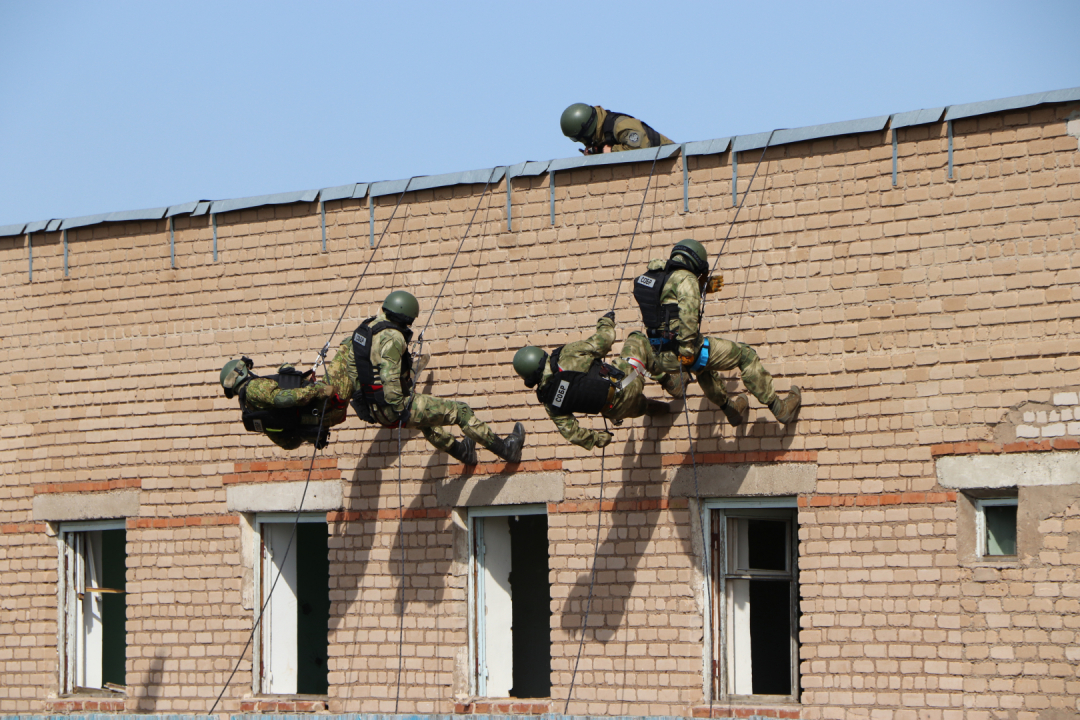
(510, 609)
(293, 638)
(93, 633)
(754, 599)
(995, 526)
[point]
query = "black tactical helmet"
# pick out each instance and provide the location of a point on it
(579, 122)
(403, 304)
(529, 364)
(234, 375)
(691, 255)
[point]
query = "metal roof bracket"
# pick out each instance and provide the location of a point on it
(322, 212)
(509, 183)
(734, 176)
(213, 224)
(893, 132)
(65, 253)
(172, 244)
(948, 126)
(685, 179)
(551, 188)
(371, 219)
(30, 253)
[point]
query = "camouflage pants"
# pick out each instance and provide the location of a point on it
(430, 414)
(630, 401)
(723, 355)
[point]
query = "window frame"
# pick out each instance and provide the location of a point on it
(263, 638)
(715, 514)
(478, 629)
(981, 503)
(71, 546)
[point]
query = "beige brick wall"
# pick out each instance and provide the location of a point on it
(914, 318)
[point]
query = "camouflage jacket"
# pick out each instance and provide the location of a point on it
(578, 357)
(629, 133)
(387, 348)
(682, 287)
(265, 394)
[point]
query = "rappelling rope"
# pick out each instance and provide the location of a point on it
(408, 404)
(592, 577)
(600, 506)
(311, 466)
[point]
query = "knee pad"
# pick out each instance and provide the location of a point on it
(747, 355)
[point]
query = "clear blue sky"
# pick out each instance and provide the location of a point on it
(125, 105)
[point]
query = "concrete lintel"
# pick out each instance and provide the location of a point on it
(322, 496)
(743, 480)
(518, 489)
(61, 507)
(962, 472)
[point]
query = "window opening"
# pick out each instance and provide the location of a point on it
(754, 573)
(511, 608)
(93, 605)
(996, 526)
(295, 626)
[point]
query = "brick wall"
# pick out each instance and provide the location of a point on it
(935, 313)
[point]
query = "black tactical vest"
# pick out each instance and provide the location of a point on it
(657, 317)
(369, 390)
(283, 420)
(567, 391)
(607, 130)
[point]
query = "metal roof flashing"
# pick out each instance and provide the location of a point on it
(534, 168)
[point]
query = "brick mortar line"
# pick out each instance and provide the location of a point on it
(907, 498)
(140, 523)
(82, 486)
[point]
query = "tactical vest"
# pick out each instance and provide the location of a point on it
(369, 391)
(607, 130)
(279, 420)
(657, 317)
(568, 391)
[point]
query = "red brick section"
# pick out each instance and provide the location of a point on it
(87, 705)
(509, 707)
(908, 498)
(745, 712)
(728, 458)
(387, 514)
(589, 506)
(283, 706)
(503, 468)
(989, 448)
(15, 528)
(72, 487)
(283, 471)
(183, 521)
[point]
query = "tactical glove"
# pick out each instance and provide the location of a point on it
(610, 315)
(715, 283)
(603, 438)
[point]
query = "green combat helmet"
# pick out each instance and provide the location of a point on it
(579, 122)
(403, 304)
(691, 255)
(529, 364)
(234, 375)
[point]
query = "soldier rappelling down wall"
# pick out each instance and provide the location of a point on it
(670, 296)
(288, 406)
(380, 365)
(604, 131)
(575, 379)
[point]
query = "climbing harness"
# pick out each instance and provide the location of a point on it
(311, 465)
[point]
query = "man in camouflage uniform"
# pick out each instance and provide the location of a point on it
(616, 391)
(670, 296)
(604, 131)
(380, 367)
(287, 407)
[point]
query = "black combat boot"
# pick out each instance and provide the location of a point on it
(509, 448)
(464, 451)
(787, 409)
(736, 410)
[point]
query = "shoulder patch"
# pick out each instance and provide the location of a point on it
(633, 138)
